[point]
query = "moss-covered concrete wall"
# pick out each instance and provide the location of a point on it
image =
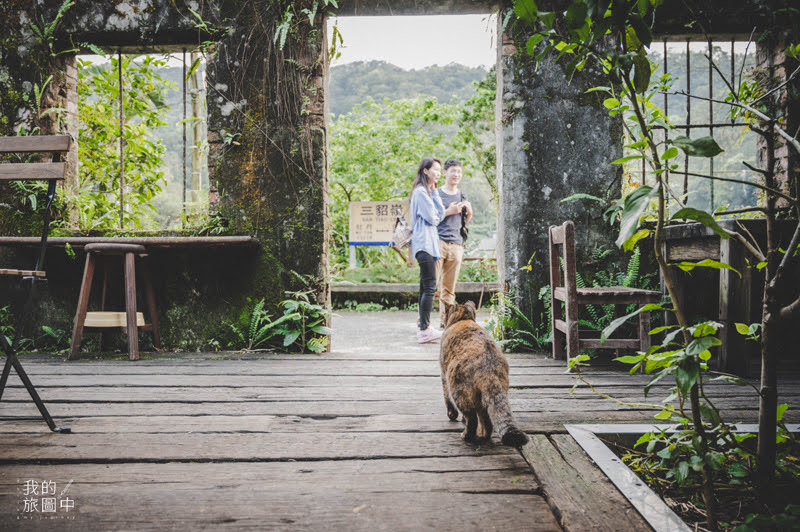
(557, 141)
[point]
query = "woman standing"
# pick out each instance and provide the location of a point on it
(426, 211)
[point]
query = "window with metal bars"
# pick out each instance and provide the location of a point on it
(692, 73)
(155, 125)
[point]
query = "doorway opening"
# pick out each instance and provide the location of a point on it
(401, 88)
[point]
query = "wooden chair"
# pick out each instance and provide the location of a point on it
(565, 329)
(52, 172)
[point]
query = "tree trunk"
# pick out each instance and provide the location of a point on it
(767, 406)
(768, 400)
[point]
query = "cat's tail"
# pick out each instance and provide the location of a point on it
(495, 401)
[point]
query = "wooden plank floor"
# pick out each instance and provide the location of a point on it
(356, 439)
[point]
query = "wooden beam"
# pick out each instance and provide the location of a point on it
(623, 297)
(37, 144)
(560, 293)
(402, 288)
(611, 343)
(373, 8)
(31, 171)
(557, 234)
(110, 319)
(158, 241)
(576, 490)
(22, 273)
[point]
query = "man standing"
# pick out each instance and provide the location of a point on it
(458, 211)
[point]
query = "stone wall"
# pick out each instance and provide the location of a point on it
(557, 141)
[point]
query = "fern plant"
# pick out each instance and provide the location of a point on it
(600, 316)
(305, 325)
(512, 329)
(261, 328)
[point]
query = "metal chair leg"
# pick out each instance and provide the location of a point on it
(12, 360)
(35, 396)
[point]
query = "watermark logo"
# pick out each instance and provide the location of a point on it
(40, 499)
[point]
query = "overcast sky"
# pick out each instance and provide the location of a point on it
(417, 42)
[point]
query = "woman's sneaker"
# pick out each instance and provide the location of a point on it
(428, 335)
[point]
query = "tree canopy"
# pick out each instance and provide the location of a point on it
(352, 83)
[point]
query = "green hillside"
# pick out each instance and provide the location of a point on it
(352, 83)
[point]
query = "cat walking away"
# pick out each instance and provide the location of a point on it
(475, 378)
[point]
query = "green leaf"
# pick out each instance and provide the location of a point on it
(681, 471)
(643, 33)
(707, 263)
(633, 207)
(646, 437)
(526, 10)
(633, 240)
(705, 218)
(710, 414)
(664, 414)
(696, 462)
(700, 345)
(623, 160)
(738, 470)
(671, 153)
(611, 103)
(630, 359)
(706, 328)
(582, 196)
(192, 69)
(715, 460)
(290, 338)
(547, 18)
(576, 15)
(576, 361)
(740, 437)
(642, 73)
(782, 410)
(94, 48)
(702, 147)
(533, 42)
(686, 377)
(743, 329)
(597, 8)
(614, 325)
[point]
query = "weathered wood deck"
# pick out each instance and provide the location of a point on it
(356, 439)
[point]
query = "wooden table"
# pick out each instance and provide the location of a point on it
(737, 299)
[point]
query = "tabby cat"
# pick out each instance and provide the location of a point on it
(475, 378)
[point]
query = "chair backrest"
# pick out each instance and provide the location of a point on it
(562, 246)
(52, 171)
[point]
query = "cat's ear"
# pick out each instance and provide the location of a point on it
(471, 308)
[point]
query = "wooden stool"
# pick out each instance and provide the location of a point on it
(130, 319)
